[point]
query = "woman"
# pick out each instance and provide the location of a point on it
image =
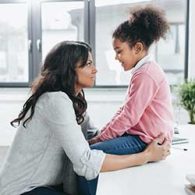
(49, 132)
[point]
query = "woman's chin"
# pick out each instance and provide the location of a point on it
(90, 86)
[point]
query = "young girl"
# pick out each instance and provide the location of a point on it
(49, 135)
(147, 110)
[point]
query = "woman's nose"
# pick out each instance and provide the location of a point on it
(95, 69)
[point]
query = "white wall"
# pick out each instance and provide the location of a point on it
(11, 101)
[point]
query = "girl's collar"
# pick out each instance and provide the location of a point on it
(144, 60)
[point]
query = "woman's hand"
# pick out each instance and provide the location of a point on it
(159, 149)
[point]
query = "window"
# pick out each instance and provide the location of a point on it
(170, 53)
(66, 24)
(108, 15)
(14, 67)
(26, 39)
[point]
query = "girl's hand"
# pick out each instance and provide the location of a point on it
(94, 140)
(159, 149)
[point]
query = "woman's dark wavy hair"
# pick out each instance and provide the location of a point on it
(58, 74)
(146, 25)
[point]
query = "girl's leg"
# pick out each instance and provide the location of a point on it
(126, 144)
(45, 191)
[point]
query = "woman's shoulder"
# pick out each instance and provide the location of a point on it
(55, 96)
(55, 104)
(54, 99)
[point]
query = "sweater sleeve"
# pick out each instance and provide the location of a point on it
(88, 127)
(113, 118)
(62, 122)
(140, 94)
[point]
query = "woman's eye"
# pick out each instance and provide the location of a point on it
(89, 64)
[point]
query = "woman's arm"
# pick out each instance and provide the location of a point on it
(61, 121)
(154, 152)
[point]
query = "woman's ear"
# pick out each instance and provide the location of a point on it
(139, 47)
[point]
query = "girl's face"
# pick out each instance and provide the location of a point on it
(128, 57)
(85, 75)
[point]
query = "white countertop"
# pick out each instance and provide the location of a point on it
(162, 178)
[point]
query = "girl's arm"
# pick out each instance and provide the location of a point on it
(141, 92)
(154, 152)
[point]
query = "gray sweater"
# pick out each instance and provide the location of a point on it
(41, 153)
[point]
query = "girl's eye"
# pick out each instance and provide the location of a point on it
(118, 52)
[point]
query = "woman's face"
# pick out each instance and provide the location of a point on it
(85, 75)
(127, 56)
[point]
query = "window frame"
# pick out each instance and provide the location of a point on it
(35, 38)
(186, 52)
(30, 76)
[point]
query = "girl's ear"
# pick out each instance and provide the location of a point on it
(139, 47)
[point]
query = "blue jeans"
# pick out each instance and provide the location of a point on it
(126, 144)
(55, 190)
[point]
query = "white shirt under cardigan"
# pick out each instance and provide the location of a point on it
(38, 155)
